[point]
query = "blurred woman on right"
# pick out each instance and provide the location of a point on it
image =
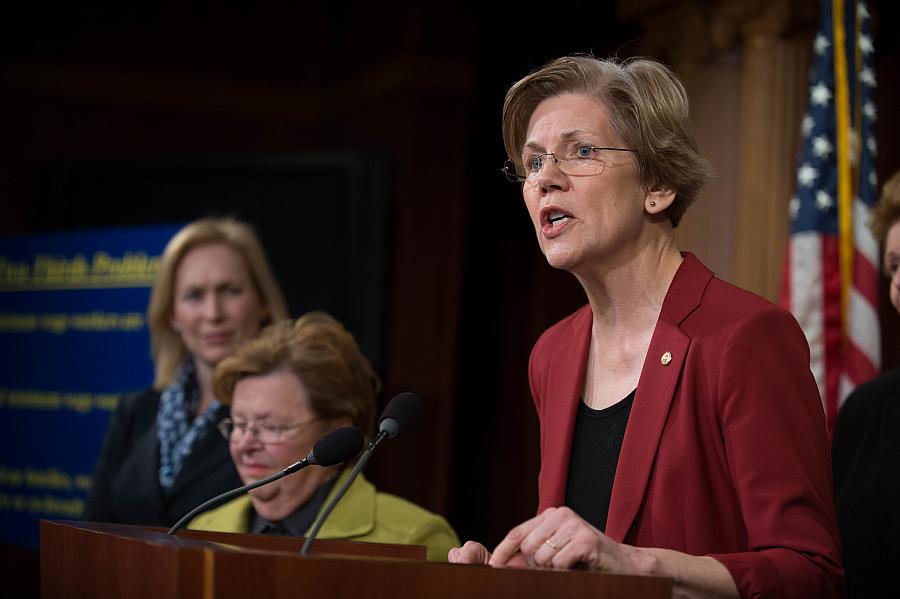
(866, 446)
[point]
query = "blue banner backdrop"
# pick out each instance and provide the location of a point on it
(73, 337)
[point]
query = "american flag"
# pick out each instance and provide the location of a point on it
(831, 266)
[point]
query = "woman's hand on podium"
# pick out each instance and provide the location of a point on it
(470, 553)
(559, 538)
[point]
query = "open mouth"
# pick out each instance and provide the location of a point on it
(557, 217)
(554, 217)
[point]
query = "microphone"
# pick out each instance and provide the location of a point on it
(403, 411)
(337, 446)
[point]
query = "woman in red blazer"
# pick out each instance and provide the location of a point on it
(681, 429)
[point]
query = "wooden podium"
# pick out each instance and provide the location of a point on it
(81, 559)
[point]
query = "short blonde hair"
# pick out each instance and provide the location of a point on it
(648, 110)
(322, 354)
(166, 347)
(887, 211)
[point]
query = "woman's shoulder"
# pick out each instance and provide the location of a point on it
(139, 406)
(888, 383)
(864, 401)
(133, 401)
(728, 309)
(696, 290)
(402, 511)
(721, 287)
(232, 516)
(414, 524)
(141, 395)
(397, 513)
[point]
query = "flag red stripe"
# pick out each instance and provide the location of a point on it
(858, 366)
(865, 279)
(831, 316)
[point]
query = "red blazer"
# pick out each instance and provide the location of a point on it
(725, 453)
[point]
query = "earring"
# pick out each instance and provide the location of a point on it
(652, 204)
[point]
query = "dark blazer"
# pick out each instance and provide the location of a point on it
(866, 453)
(725, 452)
(126, 481)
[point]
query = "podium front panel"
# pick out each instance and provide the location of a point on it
(82, 559)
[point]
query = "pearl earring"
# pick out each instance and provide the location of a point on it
(652, 204)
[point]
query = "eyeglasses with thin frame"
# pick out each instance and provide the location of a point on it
(266, 432)
(575, 158)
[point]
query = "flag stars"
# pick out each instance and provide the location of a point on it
(820, 95)
(821, 44)
(823, 200)
(863, 11)
(873, 179)
(871, 145)
(821, 147)
(867, 76)
(865, 44)
(869, 110)
(806, 174)
(808, 125)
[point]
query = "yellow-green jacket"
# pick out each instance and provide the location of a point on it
(362, 515)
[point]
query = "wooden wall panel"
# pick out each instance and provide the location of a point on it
(708, 228)
(773, 77)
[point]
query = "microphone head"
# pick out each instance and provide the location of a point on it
(337, 446)
(403, 411)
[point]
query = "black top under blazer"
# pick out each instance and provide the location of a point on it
(866, 459)
(126, 487)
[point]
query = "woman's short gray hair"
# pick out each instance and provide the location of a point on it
(648, 110)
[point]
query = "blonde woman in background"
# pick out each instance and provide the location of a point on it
(162, 454)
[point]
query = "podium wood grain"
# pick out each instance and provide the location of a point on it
(80, 559)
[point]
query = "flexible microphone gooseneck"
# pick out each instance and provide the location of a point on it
(337, 446)
(403, 411)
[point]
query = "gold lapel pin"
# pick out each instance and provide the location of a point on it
(665, 358)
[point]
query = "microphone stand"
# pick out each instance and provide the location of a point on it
(234, 492)
(360, 464)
